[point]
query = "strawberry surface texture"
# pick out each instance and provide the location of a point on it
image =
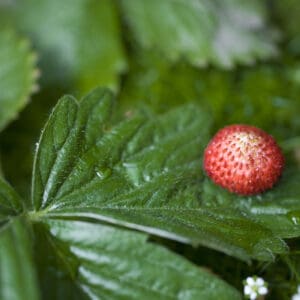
(243, 159)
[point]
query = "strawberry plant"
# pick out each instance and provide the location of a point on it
(107, 110)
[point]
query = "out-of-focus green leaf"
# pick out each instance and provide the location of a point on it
(287, 14)
(111, 263)
(17, 75)
(222, 32)
(156, 86)
(143, 173)
(78, 40)
(17, 274)
(10, 203)
(175, 27)
(252, 96)
(242, 35)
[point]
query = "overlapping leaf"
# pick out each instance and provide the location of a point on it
(17, 75)
(143, 173)
(110, 263)
(10, 203)
(17, 275)
(219, 32)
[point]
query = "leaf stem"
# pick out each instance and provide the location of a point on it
(36, 216)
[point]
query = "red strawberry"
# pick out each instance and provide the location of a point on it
(243, 159)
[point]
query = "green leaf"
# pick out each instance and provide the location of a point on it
(79, 41)
(10, 203)
(256, 96)
(18, 141)
(220, 32)
(17, 75)
(176, 27)
(264, 96)
(143, 173)
(17, 275)
(242, 35)
(287, 14)
(111, 263)
(154, 85)
(77, 128)
(279, 208)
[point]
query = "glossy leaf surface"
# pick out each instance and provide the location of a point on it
(106, 262)
(17, 274)
(143, 173)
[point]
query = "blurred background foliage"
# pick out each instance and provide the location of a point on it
(238, 59)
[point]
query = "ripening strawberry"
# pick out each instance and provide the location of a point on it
(243, 159)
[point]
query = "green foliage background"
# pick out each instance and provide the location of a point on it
(109, 199)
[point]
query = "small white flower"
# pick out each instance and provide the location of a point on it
(250, 281)
(253, 296)
(263, 290)
(260, 281)
(297, 296)
(255, 287)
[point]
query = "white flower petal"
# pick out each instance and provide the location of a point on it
(298, 290)
(253, 295)
(296, 297)
(250, 281)
(259, 281)
(247, 290)
(263, 290)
